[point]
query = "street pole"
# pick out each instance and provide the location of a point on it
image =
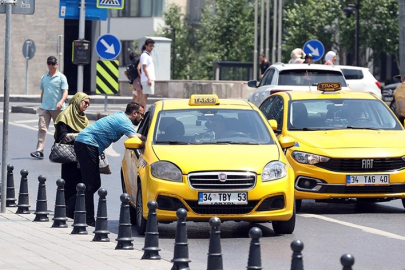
(401, 10)
(356, 45)
(273, 54)
(80, 67)
(7, 39)
(261, 27)
(174, 51)
(267, 29)
(280, 27)
(255, 46)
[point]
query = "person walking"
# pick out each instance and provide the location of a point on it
(67, 127)
(133, 74)
(91, 142)
(148, 71)
(330, 58)
(54, 91)
(264, 64)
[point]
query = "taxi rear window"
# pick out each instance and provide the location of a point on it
(206, 126)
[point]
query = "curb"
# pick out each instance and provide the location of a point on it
(33, 110)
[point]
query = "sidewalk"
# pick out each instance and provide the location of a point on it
(35, 245)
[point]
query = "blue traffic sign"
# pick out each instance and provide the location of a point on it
(314, 47)
(108, 46)
(70, 9)
(114, 4)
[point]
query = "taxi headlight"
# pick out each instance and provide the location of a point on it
(307, 158)
(166, 170)
(273, 171)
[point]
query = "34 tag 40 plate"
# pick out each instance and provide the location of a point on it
(368, 180)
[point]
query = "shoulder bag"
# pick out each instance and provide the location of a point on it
(62, 153)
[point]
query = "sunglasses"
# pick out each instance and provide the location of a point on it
(51, 63)
(141, 114)
(86, 102)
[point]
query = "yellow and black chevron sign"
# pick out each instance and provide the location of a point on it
(107, 77)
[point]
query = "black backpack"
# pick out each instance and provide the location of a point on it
(132, 70)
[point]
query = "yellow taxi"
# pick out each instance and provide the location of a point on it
(349, 145)
(212, 157)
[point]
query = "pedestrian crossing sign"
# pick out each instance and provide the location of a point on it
(113, 4)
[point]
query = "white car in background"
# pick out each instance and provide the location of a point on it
(361, 79)
(294, 77)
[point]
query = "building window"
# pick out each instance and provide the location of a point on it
(127, 47)
(139, 8)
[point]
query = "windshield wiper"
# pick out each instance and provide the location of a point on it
(304, 129)
(233, 142)
(171, 142)
(371, 128)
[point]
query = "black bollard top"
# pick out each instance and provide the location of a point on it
(41, 179)
(124, 197)
(102, 192)
(80, 187)
(215, 222)
(60, 182)
(152, 205)
(347, 260)
(255, 233)
(10, 168)
(181, 213)
(24, 173)
(297, 245)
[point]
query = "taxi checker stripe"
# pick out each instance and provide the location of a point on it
(107, 81)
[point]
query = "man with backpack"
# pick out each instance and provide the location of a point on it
(133, 74)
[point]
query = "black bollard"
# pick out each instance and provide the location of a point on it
(180, 257)
(124, 228)
(151, 248)
(214, 250)
(59, 217)
(23, 198)
(297, 262)
(79, 222)
(255, 259)
(347, 260)
(10, 198)
(101, 230)
(41, 211)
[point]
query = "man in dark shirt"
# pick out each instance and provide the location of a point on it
(264, 64)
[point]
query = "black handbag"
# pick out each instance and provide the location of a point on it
(62, 153)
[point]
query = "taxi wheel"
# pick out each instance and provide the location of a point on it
(140, 221)
(298, 204)
(284, 227)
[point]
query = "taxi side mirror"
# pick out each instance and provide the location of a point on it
(286, 142)
(133, 143)
(273, 124)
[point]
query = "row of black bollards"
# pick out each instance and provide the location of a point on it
(124, 240)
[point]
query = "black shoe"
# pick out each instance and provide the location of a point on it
(37, 154)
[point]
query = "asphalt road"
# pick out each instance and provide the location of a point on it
(372, 233)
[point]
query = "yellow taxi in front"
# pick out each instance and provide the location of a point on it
(212, 157)
(348, 144)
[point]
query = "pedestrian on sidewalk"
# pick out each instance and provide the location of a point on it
(68, 124)
(54, 91)
(330, 58)
(134, 76)
(264, 64)
(148, 76)
(94, 139)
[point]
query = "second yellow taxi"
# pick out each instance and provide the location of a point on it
(349, 144)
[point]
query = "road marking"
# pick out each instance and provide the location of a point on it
(363, 228)
(26, 121)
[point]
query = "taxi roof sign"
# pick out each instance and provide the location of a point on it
(203, 100)
(329, 86)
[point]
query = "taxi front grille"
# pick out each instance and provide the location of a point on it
(222, 209)
(222, 180)
(357, 164)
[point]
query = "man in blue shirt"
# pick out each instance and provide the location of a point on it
(54, 91)
(91, 142)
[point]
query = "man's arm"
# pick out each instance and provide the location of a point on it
(140, 136)
(147, 74)
(42, 95)
(64, 96)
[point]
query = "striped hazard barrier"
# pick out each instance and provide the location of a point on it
(107, 77)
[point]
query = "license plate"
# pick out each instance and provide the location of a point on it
(222, 198)
(368, 180)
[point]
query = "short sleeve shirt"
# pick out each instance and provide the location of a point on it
(53, 90)
(147, 60)
(264, 66)
(106, 131)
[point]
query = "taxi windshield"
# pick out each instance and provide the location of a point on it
(211, 126)
(322, 114)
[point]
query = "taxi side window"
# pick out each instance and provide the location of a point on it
(145, 123)
(273, 108)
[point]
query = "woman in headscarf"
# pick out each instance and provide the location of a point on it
(67, 126)
(330, 58)
(297, 56)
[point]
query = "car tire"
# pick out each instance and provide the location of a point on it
(285, 227)
(140, 221)
(298, 204)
